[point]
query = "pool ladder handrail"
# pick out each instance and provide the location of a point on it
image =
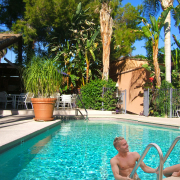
(160, 174)
(171, 148)
(83, 107)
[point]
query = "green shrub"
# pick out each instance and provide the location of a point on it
(160, 100)
(91, 95)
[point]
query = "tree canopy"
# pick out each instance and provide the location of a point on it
(41, 20)
(126, 24)
(45, 24)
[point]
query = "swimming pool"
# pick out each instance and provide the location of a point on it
(83, 149)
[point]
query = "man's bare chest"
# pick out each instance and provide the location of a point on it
(126, 163)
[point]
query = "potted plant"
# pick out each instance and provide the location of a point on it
(42, 78)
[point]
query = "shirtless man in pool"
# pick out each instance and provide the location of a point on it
(123, 163)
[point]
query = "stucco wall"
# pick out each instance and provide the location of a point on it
(131, 77)
(133, 83)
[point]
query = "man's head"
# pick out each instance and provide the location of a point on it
(121, 144)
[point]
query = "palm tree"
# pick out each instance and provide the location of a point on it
(87, 45)
(152, 31)
(63, 56)
(153, 5)
(83, 43)
(90, 47)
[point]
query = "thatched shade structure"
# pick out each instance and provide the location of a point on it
(7, 40)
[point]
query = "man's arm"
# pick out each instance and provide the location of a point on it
(172, 171)
(115, 170)
(176, 174)
(176, 170)
(147, 169)
(144, 167)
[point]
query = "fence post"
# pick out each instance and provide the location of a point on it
(146, 102)
(125, 102)
(170, 115)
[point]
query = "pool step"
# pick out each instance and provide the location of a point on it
(172, 178)
(69, 117)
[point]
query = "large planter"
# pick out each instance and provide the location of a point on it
(43, 108)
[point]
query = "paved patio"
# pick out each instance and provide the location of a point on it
(17, 126)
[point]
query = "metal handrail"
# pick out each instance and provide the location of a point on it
(83, 106)
(160, 174)
(171, 148)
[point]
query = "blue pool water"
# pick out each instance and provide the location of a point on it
(80, 150)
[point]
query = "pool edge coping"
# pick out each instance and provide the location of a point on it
(22, 139)
(172, 126)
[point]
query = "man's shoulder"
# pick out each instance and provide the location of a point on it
(114, 159)
(135, 154)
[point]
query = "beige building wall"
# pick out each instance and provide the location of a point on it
(130, 75)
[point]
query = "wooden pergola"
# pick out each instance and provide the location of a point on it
(7, 40)
(10, 80)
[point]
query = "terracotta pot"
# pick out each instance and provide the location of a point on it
(43, 108)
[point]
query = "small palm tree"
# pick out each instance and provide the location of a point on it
(152, 31)
(153, 7)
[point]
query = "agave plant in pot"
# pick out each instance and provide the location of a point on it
(42, 78)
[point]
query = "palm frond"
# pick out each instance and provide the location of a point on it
(154, 24)
(146, 31)
(163, 16)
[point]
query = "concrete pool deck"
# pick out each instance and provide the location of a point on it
(18, 127)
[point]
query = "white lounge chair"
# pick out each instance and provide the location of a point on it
(66, 100)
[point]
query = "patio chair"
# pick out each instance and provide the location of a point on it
(66, 100)
(73, 100)
(58, 102)
(25, 99)
(21, 100)
(56, 95)
(4, 98)
(28, 99)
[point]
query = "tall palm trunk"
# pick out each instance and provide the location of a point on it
(167, 46)
(106, 32)
(156, 65)
(167, 41)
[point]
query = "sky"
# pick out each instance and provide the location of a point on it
(140, 50)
